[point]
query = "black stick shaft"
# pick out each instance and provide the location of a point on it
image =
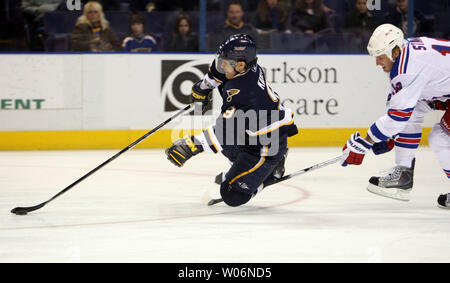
(32, 208)
(292, 175)
(311, 168)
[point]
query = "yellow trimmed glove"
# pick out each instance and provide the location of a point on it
(182, 150)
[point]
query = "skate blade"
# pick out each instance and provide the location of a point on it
(443, 207)
(393, 193)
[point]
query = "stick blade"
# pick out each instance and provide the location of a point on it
(19, 211)
(25, 210)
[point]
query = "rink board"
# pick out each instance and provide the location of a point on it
(82, 101)
(108, 139)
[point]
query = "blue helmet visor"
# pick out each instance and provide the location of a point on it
(224, 65)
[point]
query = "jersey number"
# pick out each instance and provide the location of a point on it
(229, 112)
(444, 50)
(441, 48)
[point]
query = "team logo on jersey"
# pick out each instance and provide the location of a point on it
(177, 78)
(232, 92)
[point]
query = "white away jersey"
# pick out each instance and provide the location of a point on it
(421, 72)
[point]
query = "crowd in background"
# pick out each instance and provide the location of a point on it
(173, 25)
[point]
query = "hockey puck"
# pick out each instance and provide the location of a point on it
(19, 211)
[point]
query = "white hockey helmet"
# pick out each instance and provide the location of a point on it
(384, 39)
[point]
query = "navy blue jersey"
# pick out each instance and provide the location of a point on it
(251, 113)
(144, 44)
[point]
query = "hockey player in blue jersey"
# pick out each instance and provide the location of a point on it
(252, 129)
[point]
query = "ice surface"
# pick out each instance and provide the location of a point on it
(141, 208)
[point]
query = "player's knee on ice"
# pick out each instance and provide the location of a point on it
(232, 196)
(249, 173)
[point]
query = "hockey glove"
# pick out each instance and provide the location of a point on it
(354, 150)
(182, 150)
(201, 95)
(383, 147)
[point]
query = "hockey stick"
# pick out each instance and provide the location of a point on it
(292, 175)
(25, 210)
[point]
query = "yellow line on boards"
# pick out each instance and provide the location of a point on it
(111, 139)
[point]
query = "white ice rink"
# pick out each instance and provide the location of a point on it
(141, 208)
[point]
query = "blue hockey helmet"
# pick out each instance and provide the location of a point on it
(238, 47)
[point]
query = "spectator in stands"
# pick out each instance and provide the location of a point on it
(360, 20)
(309, 16)
(234, 22)
(398, 16)
(270, 17)
(138, 41)
(182, 38)
(92, 31)
(33, 11)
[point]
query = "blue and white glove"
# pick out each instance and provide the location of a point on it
(354, 150)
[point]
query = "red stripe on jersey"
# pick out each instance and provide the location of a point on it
(400, 113)
(402, 61)
(405, 140)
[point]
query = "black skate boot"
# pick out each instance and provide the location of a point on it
(397, 184)
(444, 201)
(278, 172)
(219, 178)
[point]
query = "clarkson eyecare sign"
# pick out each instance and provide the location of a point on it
(82, 94)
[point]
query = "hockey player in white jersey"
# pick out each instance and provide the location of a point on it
(419, 71)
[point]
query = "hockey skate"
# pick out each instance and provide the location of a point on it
(219, 178)
(397, 184)
(278, 172)
(444, 201)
